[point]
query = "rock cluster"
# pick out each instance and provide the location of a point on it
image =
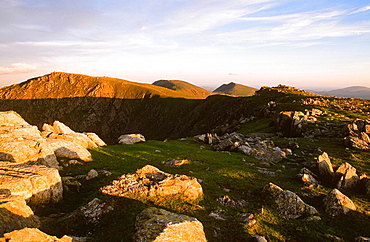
(256, 145)
(293, 123)
(151, 182)
(358, 135)
(28, 172)
(21, 142)
(155, 224)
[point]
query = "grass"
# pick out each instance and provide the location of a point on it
(217, 171)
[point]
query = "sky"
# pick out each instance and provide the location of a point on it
(310, 44)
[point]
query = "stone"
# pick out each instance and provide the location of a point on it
(219, 215)
(38, 184)
(68, 149)
(336, 203)
(11, 118)
(150, 182)
(16, 214)
(248, 219)
(229, 202)
(308, 177)
(325, 167)
(159, 225)
(61, 128)
(91, 213)
(96, 139)
(290, 205)
(346, 177)
(176, 163)
(78, 138)
(92, 174)
(259, 238)
(33, 235)
(129, 139)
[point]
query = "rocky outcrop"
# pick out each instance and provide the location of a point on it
(37, 184)
(336, 203)
(150, 182)
(21, 142)
(256, 145)
(358, 135)
(129, 139)
(289, 204)
(15, 214)
(155, 224)
(60, 131)
(33, 235)
(294, 123)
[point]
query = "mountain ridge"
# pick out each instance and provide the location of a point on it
(65, 85)
(351, 92)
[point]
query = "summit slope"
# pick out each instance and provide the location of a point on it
(183, 87)
(235, 90)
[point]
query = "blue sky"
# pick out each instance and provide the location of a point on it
(321, 44)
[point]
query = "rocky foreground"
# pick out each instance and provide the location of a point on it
(31, 161)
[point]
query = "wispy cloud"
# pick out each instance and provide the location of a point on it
(17, 68)
(360, 10)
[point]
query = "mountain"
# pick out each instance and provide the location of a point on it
(183, 87)
(64, 85)
(236, 90)
(353, 92)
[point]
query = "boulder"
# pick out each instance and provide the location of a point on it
(176, 163)
(129, 139)
(15, 214)
(92, 174)
(346, 177)
(336, 203)
(325, 167)
(32, 235)
(308, 177)
(150, 182)
(28, 151)
(81, 139)
(362, 239)
(38, 184)
(290, 205)
(91, 212)
(12, 118)
(155, 224)
(68, 149)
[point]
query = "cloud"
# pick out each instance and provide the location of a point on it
(363, 9)
(17, 68)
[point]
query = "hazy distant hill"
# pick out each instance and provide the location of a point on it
(235, 89)
(63, 85)
(183, 87)
(353, 91)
